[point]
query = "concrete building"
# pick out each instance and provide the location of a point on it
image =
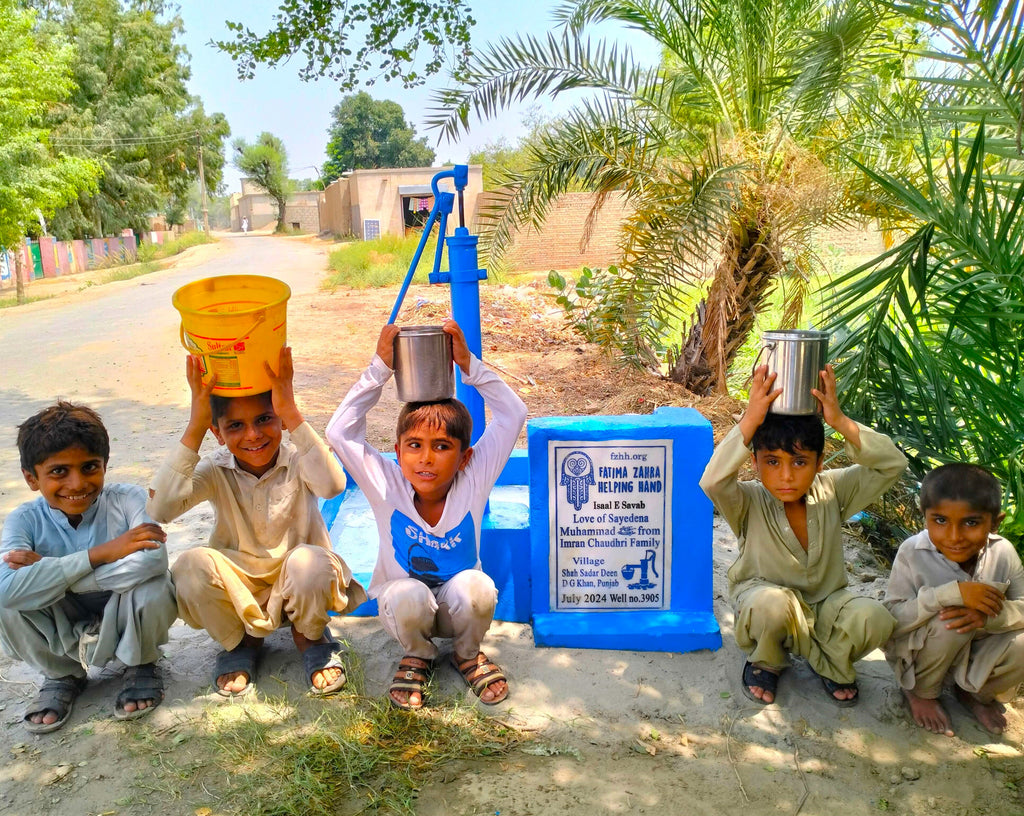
(369, 203)
(302, 211)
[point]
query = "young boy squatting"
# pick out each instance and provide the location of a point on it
(429, 507)
(957, 592)
(788, 582)
(269, 560)
(83, 573)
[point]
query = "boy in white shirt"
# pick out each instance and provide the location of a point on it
(957, 592)
(429, 506)
(269, 561)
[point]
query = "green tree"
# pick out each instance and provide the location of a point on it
(370, 133)
(34, 179)
(265, 161)
(932, 331)
(394, 33)
(727, 152)
(130, 112)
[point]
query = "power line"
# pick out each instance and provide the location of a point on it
(126, 141)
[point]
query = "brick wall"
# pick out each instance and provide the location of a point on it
(559, 243)
(305, 214)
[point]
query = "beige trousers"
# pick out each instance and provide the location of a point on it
(216, 594)
(91, 629)
(461, 608)
(989, 666)
(773, 622)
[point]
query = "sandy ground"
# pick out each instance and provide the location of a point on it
(607, 731)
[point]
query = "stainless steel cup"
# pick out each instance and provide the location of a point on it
(424, 370)
(797, 357)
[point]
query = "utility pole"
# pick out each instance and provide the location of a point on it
(202, 185)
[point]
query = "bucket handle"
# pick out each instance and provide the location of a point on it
(770, 346)
(260, 318)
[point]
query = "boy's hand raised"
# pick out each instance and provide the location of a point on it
(147, 536)
(986, 599)
(460, 350)
(762, 395)
(281, 392)
(386, 344)
(200, 416)
(830, 410)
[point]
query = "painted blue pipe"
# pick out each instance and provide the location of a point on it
(463, 274)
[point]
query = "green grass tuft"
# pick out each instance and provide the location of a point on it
(305, 757)
(381, 262)
(8, 302)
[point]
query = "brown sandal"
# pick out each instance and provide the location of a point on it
(479, 672)
(412, 676)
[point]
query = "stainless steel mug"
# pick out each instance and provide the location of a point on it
(424, 370)
(797, 357)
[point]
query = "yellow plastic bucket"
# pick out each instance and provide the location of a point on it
(234, 323)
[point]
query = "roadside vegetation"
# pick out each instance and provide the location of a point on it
(382, 261)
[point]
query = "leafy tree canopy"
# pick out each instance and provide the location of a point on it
(266, 163)
(131, 112)
(370, 133)
(395, 35)
(34, 77)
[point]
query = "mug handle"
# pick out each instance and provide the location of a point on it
(767, 346)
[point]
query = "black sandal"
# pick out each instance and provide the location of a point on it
(142, 682)
(762, 678)
(57, 694)
(831, 687)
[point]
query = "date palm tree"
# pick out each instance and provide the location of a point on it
(932, 331)
(727, 152)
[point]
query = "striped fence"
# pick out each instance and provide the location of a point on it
(50, 258)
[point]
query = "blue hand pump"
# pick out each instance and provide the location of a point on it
(464, 275)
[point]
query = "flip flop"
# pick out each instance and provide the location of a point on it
(239, 659)
(322, 656)
(139, 683)
(56, 694)
(479, 673)
(763, 679)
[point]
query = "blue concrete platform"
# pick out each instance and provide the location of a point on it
(621, 533)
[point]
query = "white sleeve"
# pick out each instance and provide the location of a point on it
(508, 413)
(346, 432)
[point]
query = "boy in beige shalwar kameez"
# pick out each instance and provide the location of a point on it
(269, 560)
(788, 583)
(957, 592)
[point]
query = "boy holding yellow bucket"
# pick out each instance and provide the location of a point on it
(269, 560)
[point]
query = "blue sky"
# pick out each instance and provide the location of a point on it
(299, 112)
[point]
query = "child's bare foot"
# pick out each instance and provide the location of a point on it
(929, 714)
(323, 666)
(239, 667)
(990, 715)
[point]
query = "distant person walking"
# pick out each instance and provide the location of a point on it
(245, 225)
